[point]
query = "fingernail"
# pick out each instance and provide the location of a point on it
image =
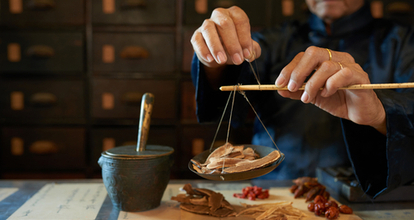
(209, 58)
(280, 81)
(305, 97)
(220, 58)
(292, 86)
(246, 53)
(237, 59)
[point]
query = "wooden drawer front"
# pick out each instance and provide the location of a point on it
(36, 99)
(400, 10)
(49, 148)
(103, 139)
(56, 53)
(188, 102)
(188, 51)
(143, 52)
(289, 9)
(121, 99)
(133, 12)
(196, 11)
(42, 12)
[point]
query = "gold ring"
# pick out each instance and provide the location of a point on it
(340, 65)
(330, 54)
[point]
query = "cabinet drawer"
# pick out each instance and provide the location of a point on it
(188, 51)
(134, 52)
(289, 10)
(53, 53)
(121, 98)
(188, 102)
(195, 11)
(133, 12)
(103, 139)
(51, 148)
(42, 12)
(41, 99)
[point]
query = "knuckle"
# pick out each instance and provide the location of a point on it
(349, 58)
(206, 25)
(312, 50)
(224, 23)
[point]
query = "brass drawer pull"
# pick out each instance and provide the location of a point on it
(40, 51)
(41, 5)
(132, 98)
(43, 147)
(131, 4)
(134, 52)
(43, 99)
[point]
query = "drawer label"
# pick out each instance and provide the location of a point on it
(108, 101)
(15, 6)
(108, 6)
(13, 52)
(17, 100)
(108, 53)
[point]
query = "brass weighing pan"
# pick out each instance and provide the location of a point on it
(246, 175)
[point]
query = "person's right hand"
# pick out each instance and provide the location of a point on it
(225, 38)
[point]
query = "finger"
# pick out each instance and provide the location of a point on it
(212, 40)
(351, 74)
(257, 51)
(312, 59)
(200, 48)
(242, 25)
(284, 76)
(292, 95)
(318, 79)
(227, 30)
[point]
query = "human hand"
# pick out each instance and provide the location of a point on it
(332, 70)
(225, 38)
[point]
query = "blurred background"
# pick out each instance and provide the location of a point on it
(72, 74)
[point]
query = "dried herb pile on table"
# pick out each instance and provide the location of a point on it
(204, 201)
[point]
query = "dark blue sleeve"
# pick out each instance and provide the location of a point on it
(382, 163)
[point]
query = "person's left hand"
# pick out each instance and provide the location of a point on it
(332, 71)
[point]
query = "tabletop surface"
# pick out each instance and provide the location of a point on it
(17, 196)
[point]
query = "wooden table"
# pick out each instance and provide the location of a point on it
(15, 195)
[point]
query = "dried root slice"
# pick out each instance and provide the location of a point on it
(222, 151)
(223, 162)
(233, 159)
(204, 201)
(254, 164)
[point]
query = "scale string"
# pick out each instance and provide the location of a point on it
(221, 120)
(257, 115)
(229, 125)
(254, 72)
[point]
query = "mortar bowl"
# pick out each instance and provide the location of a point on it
(136, 182)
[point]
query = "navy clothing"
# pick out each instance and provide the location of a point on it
(308, 136)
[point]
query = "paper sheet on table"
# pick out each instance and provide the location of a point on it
(63, 201)
(6, 192)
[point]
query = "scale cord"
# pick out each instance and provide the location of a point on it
(257, 115)
(254, 72)
(221, 120)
